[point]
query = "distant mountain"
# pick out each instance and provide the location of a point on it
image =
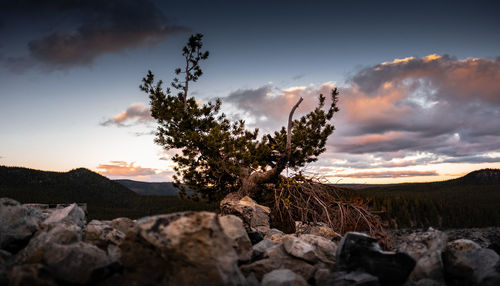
(78, 185)
(479, 177)
(154, 189)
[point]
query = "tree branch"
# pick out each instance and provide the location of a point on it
(289, 129)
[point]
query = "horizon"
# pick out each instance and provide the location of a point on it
(419, 82)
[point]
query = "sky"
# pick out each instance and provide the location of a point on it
(419, 81)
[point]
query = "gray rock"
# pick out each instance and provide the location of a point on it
(324, 249)
(233, 228)
(283, 277)
(71, 213)
(359, 252)
(426, 248)
(274, 234)
(255, 217)
(354, 278)
(77, 263)
(17, 224)
(260, 248)
(299, 248)
(195, 247)
(465, 263)
(277, 258)
(316, 228)
(62, 233)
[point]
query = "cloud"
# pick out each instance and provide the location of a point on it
(388, 174)
(124, 169)
(442, 105)
(267, 107)
(96, 28)
(135, 114)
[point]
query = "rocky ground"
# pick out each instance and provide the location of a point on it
(56, 246)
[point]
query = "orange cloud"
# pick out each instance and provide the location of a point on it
(136, 111)
(388, 174)
(121, 168)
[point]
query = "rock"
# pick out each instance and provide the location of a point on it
(5, 258)
(30, 274)
(274, 234)
(260, 248)
(318, 228)
(123, 224)
(252, 280)
(102, 233)
(277, 258)
(321, 276)
(255, 237)
(466, 263)
(71, 213)
(194, 246)
(299, 248)
(63, 233)
(359, 252)
(324, 249)
(426, 248)
(255, 217)
(233, 228)
(355, 278)
(283, 277)
(17, 224)
(77, 263)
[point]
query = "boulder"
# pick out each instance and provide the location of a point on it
(233, 228)
(296, 247)
(283, 277)
(277, 258)
(195, 248)
(255, 217)
(63, 233)
(324, 249)
(321, 276)
(316, 228)
(466, 263)
(426, 248)
(17, 224)
(72, 213)
(77, 263)
(359, 252)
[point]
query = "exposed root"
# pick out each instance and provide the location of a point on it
(301, 199)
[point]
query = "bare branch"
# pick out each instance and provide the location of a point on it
(289, 130)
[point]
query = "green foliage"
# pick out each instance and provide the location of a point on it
(214, 155)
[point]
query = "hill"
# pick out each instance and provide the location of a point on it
(152, 189)
(106, 199)
(470, 201)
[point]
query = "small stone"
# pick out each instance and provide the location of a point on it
(71, 213)
(260, 248)
(299, 248)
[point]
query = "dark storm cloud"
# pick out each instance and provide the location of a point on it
(434, 104)
(99, 27)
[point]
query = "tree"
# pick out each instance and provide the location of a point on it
(216, 156)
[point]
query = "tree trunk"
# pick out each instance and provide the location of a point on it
(250, 183)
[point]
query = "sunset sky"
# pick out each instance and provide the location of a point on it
(419, 81)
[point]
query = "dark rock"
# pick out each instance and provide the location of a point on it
(283, 277)
(260, 248)
(355, 278)
(30, 274)
(321, 276)
(359, 252)
(255, 237)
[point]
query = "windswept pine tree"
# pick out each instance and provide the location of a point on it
(218, 156)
